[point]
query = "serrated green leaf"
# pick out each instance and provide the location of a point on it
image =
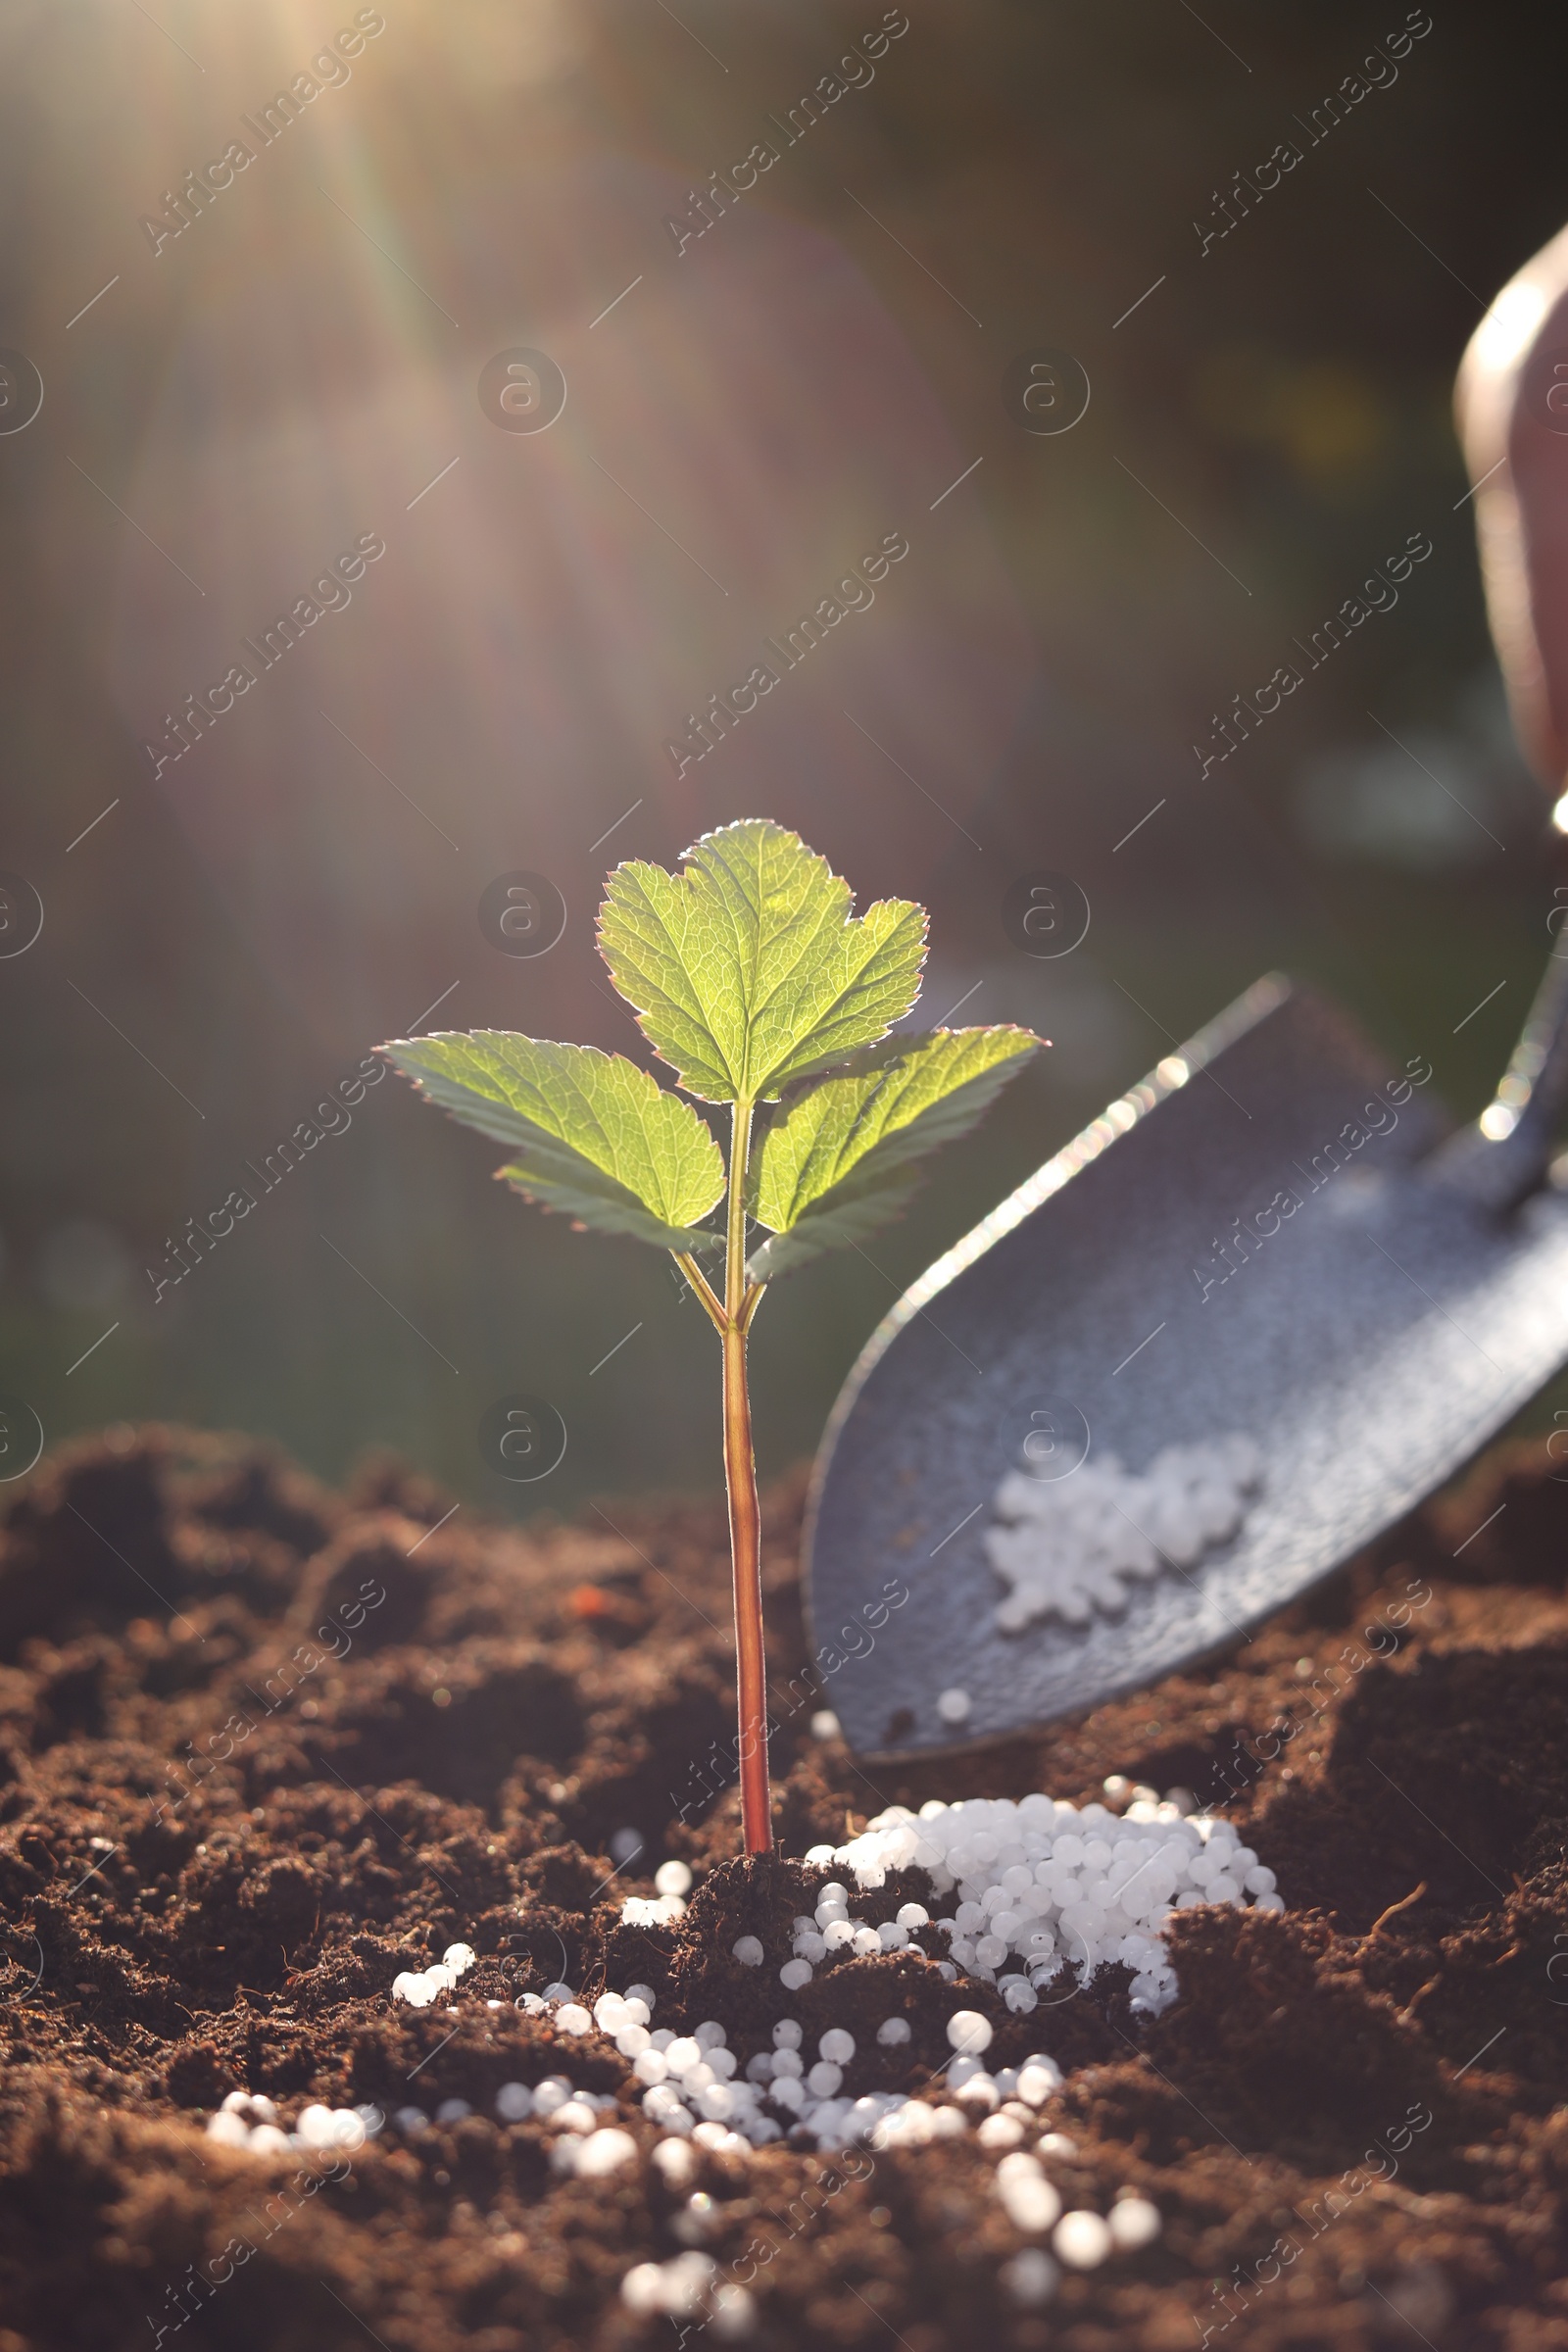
(747, 968)
(840, 1161)
(595, 1136)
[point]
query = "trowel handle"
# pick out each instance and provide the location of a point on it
(1512, 408)
(1511, 404)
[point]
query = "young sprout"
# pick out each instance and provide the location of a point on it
(751, 979)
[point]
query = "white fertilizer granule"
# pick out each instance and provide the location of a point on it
(1082, 2240)
(1067, 1547)
(1064, 1890)
(1030, 2278)
(422, 1987)
(1054, 1886)
(657, 1911)
(246, 2120)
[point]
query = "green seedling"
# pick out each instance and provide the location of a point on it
(755, 983)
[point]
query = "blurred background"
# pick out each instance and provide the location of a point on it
(243, 379)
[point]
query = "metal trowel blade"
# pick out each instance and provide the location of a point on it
(1150, 1287)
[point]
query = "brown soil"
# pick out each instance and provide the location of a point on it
(172, 1931)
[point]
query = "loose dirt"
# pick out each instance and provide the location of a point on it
(263, 1747)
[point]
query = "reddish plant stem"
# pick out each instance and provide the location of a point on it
(744, 1516)
(745, 1535)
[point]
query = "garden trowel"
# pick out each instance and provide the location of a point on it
(1275, 1243)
